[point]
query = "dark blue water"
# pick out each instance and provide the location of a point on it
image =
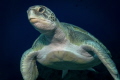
(99, 17)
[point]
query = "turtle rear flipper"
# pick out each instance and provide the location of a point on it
(103, 56)
(64, 73)
(28, 65)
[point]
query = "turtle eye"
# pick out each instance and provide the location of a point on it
(41, 10)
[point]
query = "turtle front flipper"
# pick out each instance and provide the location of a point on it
(103, 56)
(28, 65)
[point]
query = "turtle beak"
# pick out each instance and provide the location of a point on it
(33, 20)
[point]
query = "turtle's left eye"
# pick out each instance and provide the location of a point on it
(41, 10)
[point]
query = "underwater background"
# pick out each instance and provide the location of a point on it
(99, 17)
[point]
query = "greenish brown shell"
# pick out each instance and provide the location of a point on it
(78, 35)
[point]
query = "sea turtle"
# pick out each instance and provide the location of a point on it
(62, 46)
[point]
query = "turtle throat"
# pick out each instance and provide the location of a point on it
(56, 36)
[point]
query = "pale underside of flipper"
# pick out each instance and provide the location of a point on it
(28, 65)
(103, 56)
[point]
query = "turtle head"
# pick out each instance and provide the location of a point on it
(42, 18)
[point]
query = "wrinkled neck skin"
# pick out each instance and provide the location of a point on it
(57, 35)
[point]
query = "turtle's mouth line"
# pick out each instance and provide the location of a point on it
(33, 20)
